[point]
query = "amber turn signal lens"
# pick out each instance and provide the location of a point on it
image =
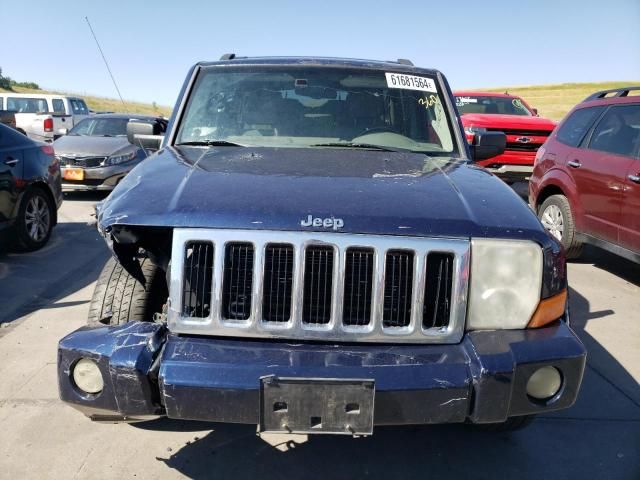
(549, 310)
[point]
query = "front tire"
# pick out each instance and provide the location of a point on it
(556, 216)
(35, 220)
(118, 297)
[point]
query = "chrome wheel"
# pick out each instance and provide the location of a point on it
(553, 221)
(37, 218)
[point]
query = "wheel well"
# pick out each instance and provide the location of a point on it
(44, 188)
(546, 193)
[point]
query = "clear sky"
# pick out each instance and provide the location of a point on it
(150, 45)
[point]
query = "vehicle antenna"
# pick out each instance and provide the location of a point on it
(106, 63)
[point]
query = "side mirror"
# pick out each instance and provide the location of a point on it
(488, 145)
(535, 112)
(147, 135)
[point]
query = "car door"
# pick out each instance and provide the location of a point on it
(599, 170)
(630, 225)
(11, 167)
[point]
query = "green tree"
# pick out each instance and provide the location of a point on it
(5, 82)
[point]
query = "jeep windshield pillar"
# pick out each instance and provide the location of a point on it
(313, 251)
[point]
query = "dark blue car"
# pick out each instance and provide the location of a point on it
(30, 189)
(313, 250)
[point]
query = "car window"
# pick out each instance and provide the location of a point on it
(101, 127)
(309, 107)
(78, 106)
(27, 105)
(58, 105)
(1, 100)
(618, 131)
(491, 105)
(10, 137)
(574, 128)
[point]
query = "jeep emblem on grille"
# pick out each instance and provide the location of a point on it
(311, 221)
(523, 139)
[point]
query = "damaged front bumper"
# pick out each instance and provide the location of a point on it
(148, 371)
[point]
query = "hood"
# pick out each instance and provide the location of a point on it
(269, 188)
(84, 146)
(507, 121)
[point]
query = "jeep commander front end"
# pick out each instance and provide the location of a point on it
(312, 250)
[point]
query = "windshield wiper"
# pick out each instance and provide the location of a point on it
(211, 143)
(366, 146)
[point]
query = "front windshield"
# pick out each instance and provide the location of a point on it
(492, 105)
(101, 127)
(317, 107)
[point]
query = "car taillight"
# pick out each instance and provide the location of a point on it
(47, 149)
(48, 124)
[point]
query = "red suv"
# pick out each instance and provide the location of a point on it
(585, 185)
(501, 112)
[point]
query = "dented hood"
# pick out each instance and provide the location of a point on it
(370, 191)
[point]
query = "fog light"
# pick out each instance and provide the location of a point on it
(87, 376)
(545, 383)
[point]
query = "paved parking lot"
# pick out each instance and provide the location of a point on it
(46, 294)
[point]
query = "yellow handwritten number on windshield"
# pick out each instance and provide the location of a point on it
(428, 102)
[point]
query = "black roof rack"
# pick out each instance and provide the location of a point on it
(405, 61)
(618, 92)
(228, 56)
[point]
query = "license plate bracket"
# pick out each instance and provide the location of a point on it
(316, 405)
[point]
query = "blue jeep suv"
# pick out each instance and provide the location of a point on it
(313, 250)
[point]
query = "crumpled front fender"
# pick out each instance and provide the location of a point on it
(126, 356)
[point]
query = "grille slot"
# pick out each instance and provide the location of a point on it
(238, 281)
(523, 147)
(398, 284)
(87, 162)
(198, 275)
(437, 295)
(318, 284)
(522, 133)
(358, 286)
(278, 281)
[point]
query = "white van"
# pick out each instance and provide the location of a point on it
(44, 117)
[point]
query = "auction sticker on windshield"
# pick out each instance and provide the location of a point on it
(410, 82)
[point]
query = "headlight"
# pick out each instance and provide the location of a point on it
(471, 130)
(116, 159)
(506, 278)
(87, 376)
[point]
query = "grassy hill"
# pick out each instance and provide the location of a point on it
(104, 104)
(552, 101)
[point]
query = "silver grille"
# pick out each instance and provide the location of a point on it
(86, 162)
(323, 286)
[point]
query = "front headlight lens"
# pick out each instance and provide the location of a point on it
(506, 278)
(116, 159)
